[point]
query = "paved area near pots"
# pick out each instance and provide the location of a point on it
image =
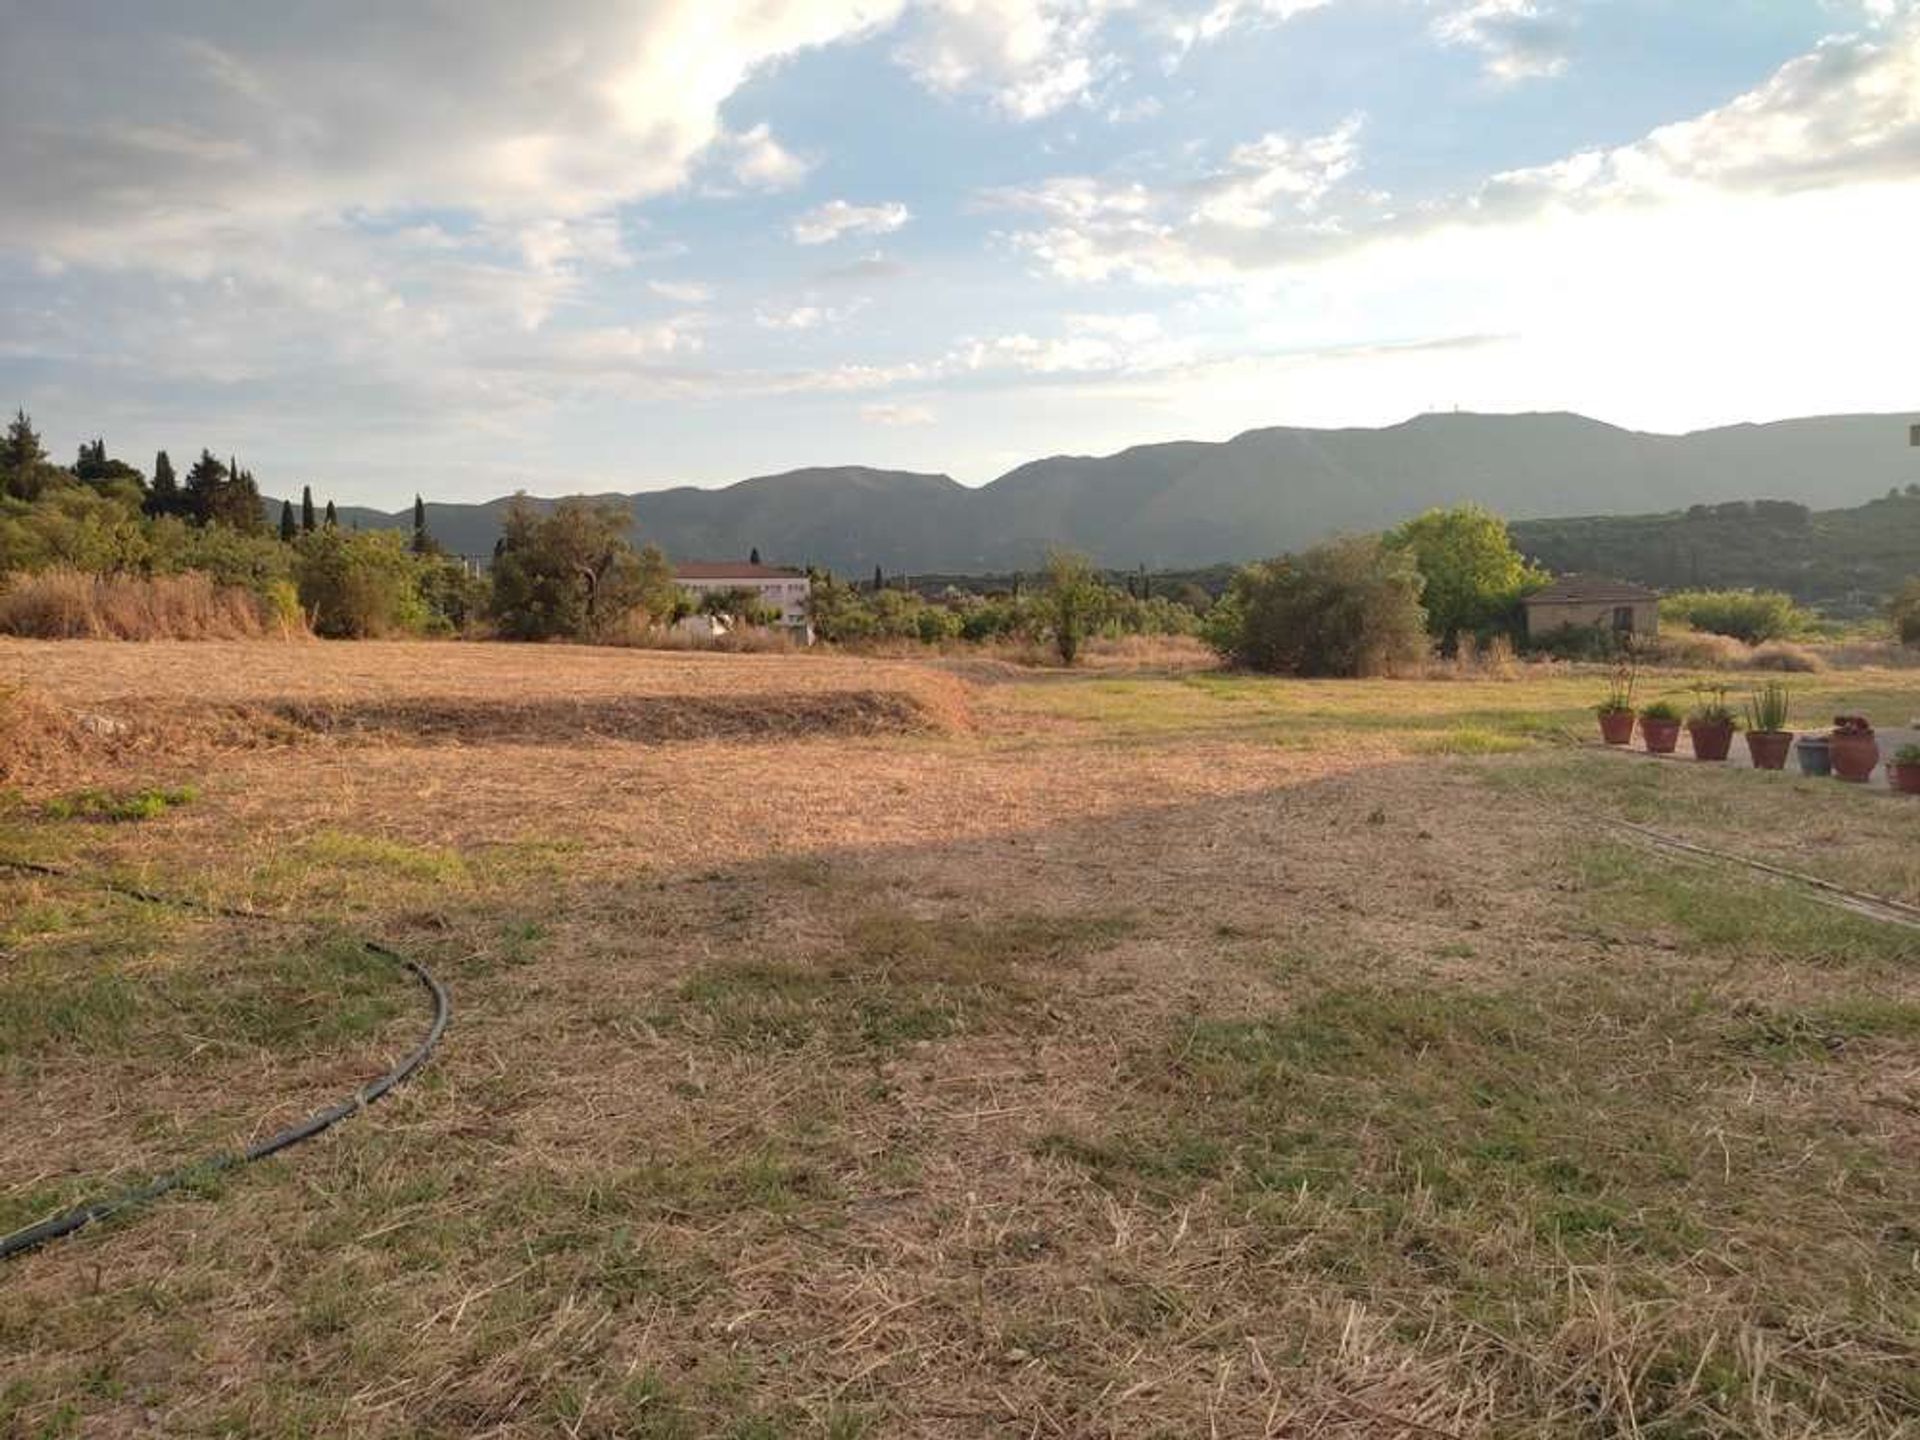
(1891, 738)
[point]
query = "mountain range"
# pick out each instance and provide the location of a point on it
(1264, 492)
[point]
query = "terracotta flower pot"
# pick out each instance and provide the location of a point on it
(1712, 739)
(1815, 754)
(1854, 757)
(1769, 748)
(1905, 778)
(1616, 727)
(1660, 735)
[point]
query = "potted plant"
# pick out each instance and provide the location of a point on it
(1815, 754)
(1616, 711)
(1904, 770)
(1768, 739)
(1711, 725)
(1855, 751)
(1660, 727)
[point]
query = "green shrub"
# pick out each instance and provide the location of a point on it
(573, 574)
(1345, 608)
(1904, 611)
(360, 584)
(1749, 615)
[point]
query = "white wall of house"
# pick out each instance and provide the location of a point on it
(787, 594)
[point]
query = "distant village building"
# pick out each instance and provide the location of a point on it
(778, 588)
(1583, 602)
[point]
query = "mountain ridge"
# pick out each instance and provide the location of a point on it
(1265, 490)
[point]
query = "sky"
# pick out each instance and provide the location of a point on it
(464, 247)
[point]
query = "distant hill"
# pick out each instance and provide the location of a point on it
(1193, 503)
(1844, 561)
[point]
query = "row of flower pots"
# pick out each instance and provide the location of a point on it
(1849, 751)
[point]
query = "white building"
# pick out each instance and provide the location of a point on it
(778, 588)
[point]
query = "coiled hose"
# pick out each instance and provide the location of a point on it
(68, 1221)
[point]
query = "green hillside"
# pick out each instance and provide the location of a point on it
(1843, 561)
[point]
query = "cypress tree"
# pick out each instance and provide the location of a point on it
(754, 557)
(287, 528)
(421, 540)
(306, 509)
(879, 580)
(333, 517)
(163, 496)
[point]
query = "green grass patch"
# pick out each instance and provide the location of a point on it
(896, 979)
(85, 995)
(373, 853)
(1643, 892)
(118, 806)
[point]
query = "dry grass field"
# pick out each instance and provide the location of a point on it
(868, 1048)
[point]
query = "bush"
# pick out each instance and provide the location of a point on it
(1904, 612)
(360, 585)
(1749, 615)
(573, 574)
(1350, 607)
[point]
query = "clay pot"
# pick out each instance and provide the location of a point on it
(1854, 757)
(1712, 739)
(1769, 748)
(1905, 778)
(1660, 735)
(1616, 727)
(1815, 754)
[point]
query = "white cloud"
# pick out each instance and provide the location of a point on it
(760, 162)
(683, 292)
(1517, 39)
(1273, 186)
(1848, 113)
(829, 222)
(897, 416)
(1031, 57)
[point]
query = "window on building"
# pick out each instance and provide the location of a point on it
(1623, 619)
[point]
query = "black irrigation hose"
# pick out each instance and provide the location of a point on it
(68, 1221)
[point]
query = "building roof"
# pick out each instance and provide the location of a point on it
(733, 570)
(1591, 590)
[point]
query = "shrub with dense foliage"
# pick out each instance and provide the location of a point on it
(1474, 577)
(1749, 615)
(573, 574)
(1904, 611)
(848, 614)
(1349, 607)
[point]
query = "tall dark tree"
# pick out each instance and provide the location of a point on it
(422, 542)
(217, 494)
(22, 446)
(306, 509)
(333, 517)
(203, 493)
(754, 558)
(163, 495)
(288, 529)
(23, 460)
(92, 467)
(879, 580)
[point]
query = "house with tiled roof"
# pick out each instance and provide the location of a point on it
(778, 587)
(1580, 602)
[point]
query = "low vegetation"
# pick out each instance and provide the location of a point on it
(1348, 608)
(1754, 616)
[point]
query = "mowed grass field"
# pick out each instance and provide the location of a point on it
(860, 1048)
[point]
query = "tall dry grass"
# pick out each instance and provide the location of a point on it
(76, 605)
